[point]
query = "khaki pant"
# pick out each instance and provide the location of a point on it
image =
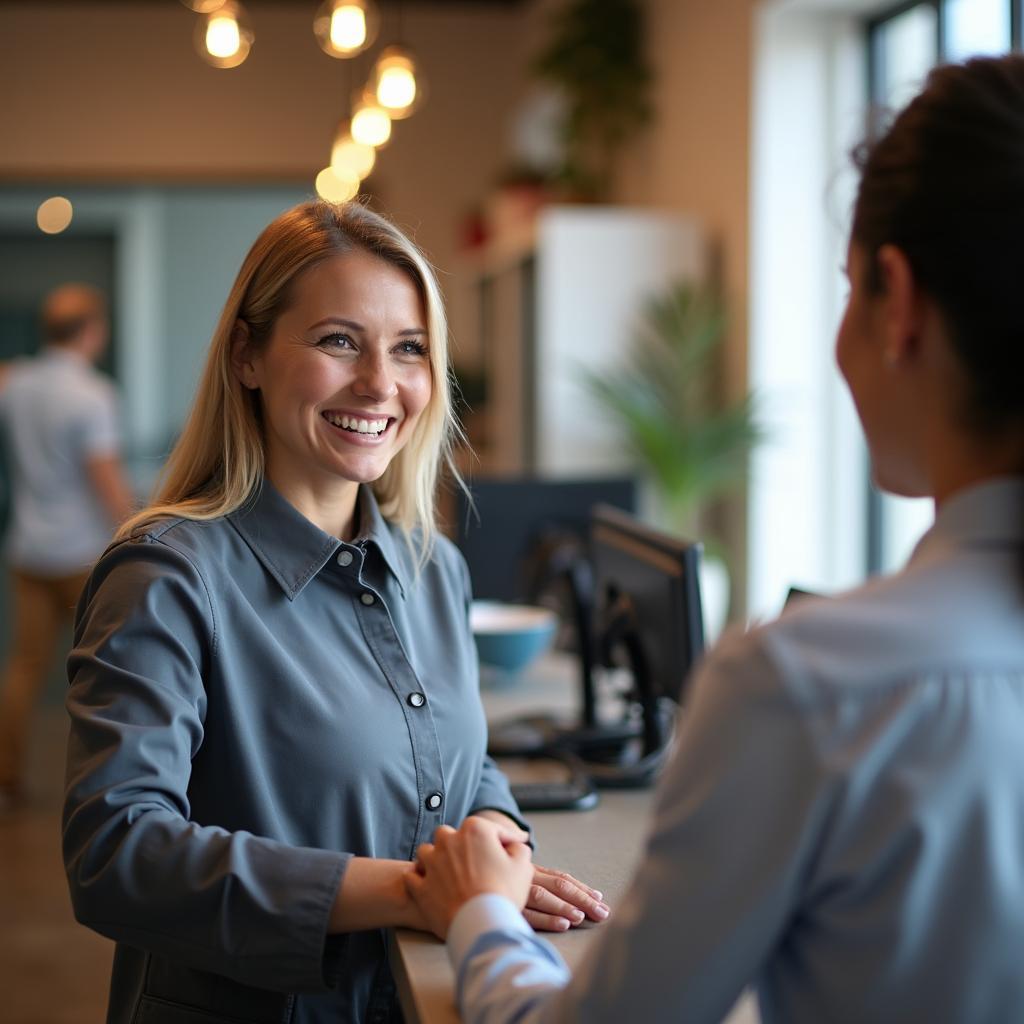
(42, 605)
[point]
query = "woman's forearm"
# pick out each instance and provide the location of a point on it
(373, 895)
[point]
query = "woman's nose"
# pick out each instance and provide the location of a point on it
(375, 379)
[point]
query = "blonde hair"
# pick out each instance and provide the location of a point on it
(218, 460)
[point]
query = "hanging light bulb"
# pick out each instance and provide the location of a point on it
(344, 28)
(202, 6)
(371, 123)
(351, 157)
(224, 35)
(337, 186)
(54, 215)
(396, 85)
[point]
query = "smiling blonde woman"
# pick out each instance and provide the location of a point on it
(274, 693)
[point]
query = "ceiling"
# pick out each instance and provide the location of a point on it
(308, 4)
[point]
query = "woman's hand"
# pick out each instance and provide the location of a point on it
(557, 901)
(460, 865)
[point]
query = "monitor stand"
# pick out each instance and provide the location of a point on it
(624, 754)
(621, 755)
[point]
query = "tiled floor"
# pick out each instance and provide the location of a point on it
(52, 970)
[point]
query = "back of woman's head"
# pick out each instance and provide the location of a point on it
(219, 458)
(945, 184)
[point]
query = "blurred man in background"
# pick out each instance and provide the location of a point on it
(59, 418)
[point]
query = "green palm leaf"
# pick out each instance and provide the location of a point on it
(666, 395)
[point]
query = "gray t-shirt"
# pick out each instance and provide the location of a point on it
(57, 412)
(253, 702)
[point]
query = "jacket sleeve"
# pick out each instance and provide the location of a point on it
(139, 870)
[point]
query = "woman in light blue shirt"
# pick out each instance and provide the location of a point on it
(842, 824)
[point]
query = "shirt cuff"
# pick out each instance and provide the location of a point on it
(485, 913)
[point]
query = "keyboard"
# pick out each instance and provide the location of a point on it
(566, 795)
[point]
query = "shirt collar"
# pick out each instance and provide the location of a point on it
(63, 354)
(293, 550)
(989, 513)
(375, 529)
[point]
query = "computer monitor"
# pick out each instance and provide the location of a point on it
(647, 609)
(512, 525)
(645, 616)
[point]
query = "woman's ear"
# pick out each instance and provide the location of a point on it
(903, 305)
(241, 356)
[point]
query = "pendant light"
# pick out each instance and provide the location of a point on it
(345, 28)
(337, 186)
(371, 123)
(349, 156)
(54, 215)
(396, 83)
(224, 35)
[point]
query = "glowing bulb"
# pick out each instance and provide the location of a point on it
(344, 28)
(351, 157)
(336, 186)
(223, 39)
(396, 88)
(224, 36)
(395, 84)
(371, 125)
(54, 215)
(348, 28)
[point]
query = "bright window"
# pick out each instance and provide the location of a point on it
(814, 520)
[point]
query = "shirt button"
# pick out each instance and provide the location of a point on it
(345, 558)
(416, 700)
(434, 801)
(367, 599)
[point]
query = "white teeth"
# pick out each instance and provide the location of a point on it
(359, 426)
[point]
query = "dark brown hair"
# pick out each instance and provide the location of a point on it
(945, 184)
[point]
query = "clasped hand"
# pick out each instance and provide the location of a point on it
(485, 857)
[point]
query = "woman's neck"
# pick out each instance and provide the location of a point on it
(331, 505)
(965, 461)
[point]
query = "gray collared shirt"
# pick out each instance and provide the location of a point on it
(842, 824)
(253, 702)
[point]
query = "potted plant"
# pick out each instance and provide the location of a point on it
(595, 57)
(666, 395)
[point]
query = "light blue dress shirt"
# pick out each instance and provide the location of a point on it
(842, 822)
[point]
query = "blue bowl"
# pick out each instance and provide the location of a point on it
(510, 636)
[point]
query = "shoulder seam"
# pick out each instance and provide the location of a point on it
(157, 538)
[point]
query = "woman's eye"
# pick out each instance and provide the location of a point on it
(335, 341)
(412, 348)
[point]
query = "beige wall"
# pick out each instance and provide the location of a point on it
(116, 91)
(695, 157)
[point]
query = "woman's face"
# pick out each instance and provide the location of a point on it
(870, 340)
(344, 376)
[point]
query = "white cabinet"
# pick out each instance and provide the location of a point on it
(565, 298)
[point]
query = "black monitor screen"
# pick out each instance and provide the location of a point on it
(511, 519)
(647, 600)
